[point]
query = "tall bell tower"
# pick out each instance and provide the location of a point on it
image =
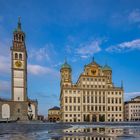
(19, 65)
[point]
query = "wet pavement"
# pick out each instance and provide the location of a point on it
(56, 131)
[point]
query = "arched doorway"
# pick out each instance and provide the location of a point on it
(54, 119)
(101, 117)
(50, 119)
(94, 118)
(5, 111)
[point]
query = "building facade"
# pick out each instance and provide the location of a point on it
(54, 114)
(20, 107)
(132, 109)
(93, 98)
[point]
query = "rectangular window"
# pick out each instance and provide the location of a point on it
(109, 100)
(87, 99)
(112, 100)
(95, 99)
(74, 99)
(70, 99)
(91, 99)
(103, 99)
(70, 108)
(84, 100)
(96, 109)
(78, 99)
(120, 108)
(116, 100)
(120, 101)
(108, 108)
(78, 108)
(66, 100)
(66, 108)
(99, 99)
(74, 108)
(84, 108)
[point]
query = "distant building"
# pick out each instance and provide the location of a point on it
(132, 109)
(20, 107)
(54, 114)
(40, 117)
(93, 98)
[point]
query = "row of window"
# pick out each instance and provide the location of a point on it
(93, 86)
(135, 106)
(93, 108)
(72, 115)
(136, 114)
(115, 100)
(114, 120)
(114, 115)
(94, 92)
(114, 108)
(78, 115)
(19, 37)
(135, 110)
(72, 99)
(87, 138)
(18, 56)
(72, 108)
(93, 79)
(93, 99)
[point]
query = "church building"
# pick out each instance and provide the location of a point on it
(19, 107)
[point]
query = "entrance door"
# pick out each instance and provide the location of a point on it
(94, 118)
(5, 111)
(101, 118)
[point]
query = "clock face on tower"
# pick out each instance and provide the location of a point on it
(18, 64)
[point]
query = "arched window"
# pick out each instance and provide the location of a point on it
(5, 111)
(22, 38)
(16, 56)
(19, 37)
(16, 36)
(20, 56)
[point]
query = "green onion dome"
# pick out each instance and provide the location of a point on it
(106, 67)
(65, 66)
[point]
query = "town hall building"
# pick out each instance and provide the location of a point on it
(93, 98)
(20, 107)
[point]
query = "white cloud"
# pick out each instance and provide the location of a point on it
(130, 95)
(41, 70)
(88, 49)
(4, 87)
(134, 16)
(39, 54)
(125, 46)
(43, 53)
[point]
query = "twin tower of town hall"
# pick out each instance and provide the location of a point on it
(20, 107)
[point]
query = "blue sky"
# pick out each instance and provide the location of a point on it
(109, 30)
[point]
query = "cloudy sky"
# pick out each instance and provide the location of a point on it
(109, 30)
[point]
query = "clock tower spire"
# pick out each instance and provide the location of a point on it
(19, 65)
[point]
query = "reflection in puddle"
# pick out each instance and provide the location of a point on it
(68, 132)
(99, 134)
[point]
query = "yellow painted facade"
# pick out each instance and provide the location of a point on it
(92, 98)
